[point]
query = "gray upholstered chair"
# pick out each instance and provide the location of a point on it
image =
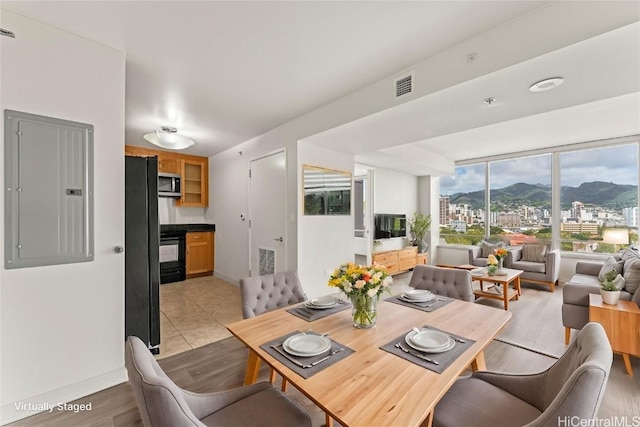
(162, 403)
(478, 255)
(265, 293)
(448, 282)
(544, 271)
(260, 294)
(571, 387)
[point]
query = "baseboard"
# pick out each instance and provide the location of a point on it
(50, 400)
(226, 278)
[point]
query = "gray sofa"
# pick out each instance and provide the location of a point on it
(585, 281)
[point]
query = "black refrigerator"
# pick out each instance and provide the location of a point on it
(142, 242)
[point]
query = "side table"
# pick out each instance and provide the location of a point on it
(621, 322)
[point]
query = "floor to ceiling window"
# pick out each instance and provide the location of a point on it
(599, 198)
(581, 198)
(462, 205)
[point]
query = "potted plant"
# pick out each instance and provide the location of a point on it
(609, 288)
(419, 225)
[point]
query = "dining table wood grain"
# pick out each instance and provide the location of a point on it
(372, 387)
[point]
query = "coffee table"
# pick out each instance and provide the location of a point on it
(512, 277)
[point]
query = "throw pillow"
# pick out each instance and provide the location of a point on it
(534, 253)
(489, 249)
(610, 264)
(629, 254)
(631, 275)
(619, 282)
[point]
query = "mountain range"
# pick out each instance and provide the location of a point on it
(597, 193)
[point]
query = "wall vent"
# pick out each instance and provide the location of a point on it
(266, 261)
(403, 85)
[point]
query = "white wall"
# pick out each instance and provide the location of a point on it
(324, 242)
(169, 213)
(394, 193)
(62, 326)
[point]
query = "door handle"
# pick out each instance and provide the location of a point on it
(118, 249)
(279, 239)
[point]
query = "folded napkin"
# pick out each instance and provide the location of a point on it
(311, 314)
(274, 348)
(444, 359)
(427, 306)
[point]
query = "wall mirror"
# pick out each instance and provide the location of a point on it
(326, 191)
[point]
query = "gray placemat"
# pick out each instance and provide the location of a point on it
(310, 314)
(428, 306)
(444, 359)
(305, 372)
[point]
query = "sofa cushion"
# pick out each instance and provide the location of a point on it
(631, 275)
(627, 254)
(534, 253)
(536, 267)
(487, 249)
(610, 264)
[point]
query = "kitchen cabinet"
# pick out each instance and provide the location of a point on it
(200, 252)
(195, 185)
(193, 171)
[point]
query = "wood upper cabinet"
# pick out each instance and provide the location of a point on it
(195, 185)
(200, 253)
(193, 171)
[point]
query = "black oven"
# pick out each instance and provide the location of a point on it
(172, 256)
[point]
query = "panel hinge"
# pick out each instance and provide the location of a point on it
(249, 173)
(249, 223)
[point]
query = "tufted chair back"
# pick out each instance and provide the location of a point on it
(265, 293)
(448, 282)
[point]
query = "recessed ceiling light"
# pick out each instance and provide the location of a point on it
(489, 100)
(546, 84)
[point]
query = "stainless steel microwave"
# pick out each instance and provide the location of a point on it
(168, 185)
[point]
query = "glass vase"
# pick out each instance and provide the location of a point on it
(501, 270)
(364, 311)
(491, 269)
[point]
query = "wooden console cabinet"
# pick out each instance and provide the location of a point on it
(400, 260)
(193, 171)
(621, 322)
(199, 253)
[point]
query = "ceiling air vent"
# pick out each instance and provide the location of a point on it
(404, 85)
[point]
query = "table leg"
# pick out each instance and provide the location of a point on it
(627, 364)
(253, 366)
(519, 288)
(505, 295)
(567, 335)
(428, 422)
(481, 285)
(479, 364)
(328, 420)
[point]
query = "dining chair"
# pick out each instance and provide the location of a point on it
(260, 294)
(449, 282)
(162, 403)
(572, 388)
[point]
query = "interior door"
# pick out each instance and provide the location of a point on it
(267, 214)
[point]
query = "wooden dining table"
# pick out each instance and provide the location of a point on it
(373, 387)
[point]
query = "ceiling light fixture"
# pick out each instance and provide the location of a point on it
(489, 100)
(168, 138)
(546, 84)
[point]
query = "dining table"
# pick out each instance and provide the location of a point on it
(371, 386)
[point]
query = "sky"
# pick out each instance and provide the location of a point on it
(611, 164)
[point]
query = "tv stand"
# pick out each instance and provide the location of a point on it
(401, 260)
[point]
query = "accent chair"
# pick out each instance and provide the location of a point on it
(539, 265)
(448, 282)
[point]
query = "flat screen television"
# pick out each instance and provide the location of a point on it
(390, 225)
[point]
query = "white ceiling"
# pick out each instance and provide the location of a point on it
(224, 72)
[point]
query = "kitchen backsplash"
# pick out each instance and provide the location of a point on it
(168, 213)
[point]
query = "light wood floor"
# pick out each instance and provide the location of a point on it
(220, 365)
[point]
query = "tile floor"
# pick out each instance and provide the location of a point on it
(194, 312)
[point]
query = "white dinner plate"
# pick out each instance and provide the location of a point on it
(417, 293)
(430, 341)
(306, 345)
(310, 304)
(324, 301)
(424, 298)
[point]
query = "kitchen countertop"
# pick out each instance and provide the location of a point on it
(187, 227)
